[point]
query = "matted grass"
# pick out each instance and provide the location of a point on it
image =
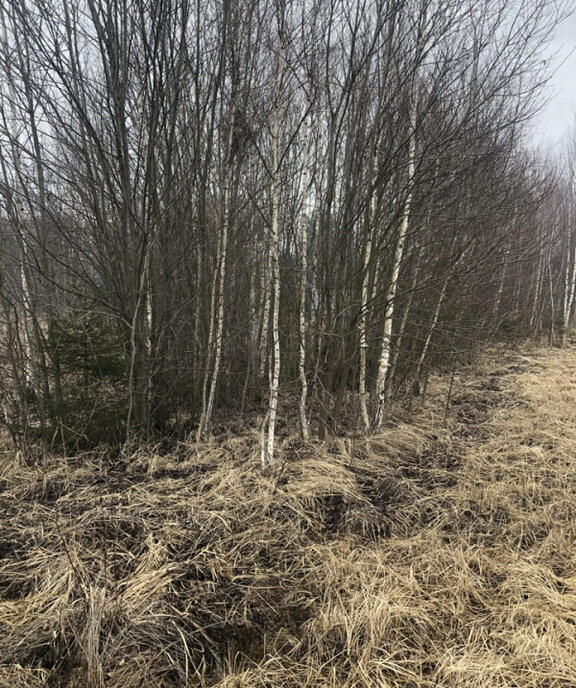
(432, 555)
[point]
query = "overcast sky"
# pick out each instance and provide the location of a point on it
(558, 118)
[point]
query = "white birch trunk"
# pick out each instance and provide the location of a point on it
(204, 426)
(303, 284)
(569, 285)
(30, 378)
(220, 315)
(196, 362)
(267, 291)
(211, 330)
(253, 309)
(267, 448)
(362, 320)
(404, 320)
(273, 307)
(381, 380)
(573, 277)
(552, 302)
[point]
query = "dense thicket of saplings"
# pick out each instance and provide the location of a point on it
(255, 206)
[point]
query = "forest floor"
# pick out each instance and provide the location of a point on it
(440, 553)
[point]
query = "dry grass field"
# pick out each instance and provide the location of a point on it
(439, 554)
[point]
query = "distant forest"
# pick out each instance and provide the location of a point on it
(217, 214)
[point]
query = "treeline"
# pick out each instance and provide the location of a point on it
(265, 206)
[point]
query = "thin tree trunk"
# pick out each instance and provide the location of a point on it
(552, 303)
(381, 380)
(498, 302)
(196, 354)
(32, 331)
(267, 450)
(204, 426)
(138, 416)
(267, 291)
(535, 320)
(434, 322)
(569, 285)
(403, 322)
(252, 361)
(220, 316)
(303, 284)
(362, 320)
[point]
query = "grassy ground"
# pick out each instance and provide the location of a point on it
(441, 553)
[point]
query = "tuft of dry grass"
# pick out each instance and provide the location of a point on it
(433, 554)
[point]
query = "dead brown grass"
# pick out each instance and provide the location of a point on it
(432, 555)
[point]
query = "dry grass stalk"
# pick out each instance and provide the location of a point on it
(427, 556)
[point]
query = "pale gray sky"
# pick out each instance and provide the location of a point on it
(558, 118)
